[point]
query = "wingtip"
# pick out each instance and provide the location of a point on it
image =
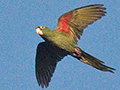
(42, 85)
(100, 5)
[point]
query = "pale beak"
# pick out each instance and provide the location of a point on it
(38, 31)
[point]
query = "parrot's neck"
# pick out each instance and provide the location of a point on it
(48, 34)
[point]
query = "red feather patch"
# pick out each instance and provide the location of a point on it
(63, 24)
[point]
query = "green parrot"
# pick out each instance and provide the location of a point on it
(63, 41)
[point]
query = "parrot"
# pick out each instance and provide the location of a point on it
(63, 41)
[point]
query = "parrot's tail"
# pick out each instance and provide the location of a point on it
(90, 60)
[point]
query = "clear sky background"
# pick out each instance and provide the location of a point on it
(18, 42)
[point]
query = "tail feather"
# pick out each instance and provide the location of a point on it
(96, 63)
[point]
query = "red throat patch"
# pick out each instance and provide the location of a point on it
(63, 24)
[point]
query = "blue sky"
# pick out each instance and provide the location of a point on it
(18, 42)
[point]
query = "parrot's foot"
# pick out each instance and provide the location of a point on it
(77, 53)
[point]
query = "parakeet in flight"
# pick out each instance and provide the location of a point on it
(63, 41)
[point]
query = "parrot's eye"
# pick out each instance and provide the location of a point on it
(42, 27)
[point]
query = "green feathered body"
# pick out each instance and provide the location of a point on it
(59, 40)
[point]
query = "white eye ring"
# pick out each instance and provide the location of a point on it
(42, 27)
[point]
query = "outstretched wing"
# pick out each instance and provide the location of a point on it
(72, 23)
(47, 57)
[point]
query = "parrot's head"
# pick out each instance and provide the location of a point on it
(42, 30)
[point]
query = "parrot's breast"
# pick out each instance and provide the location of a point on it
(63, 42)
